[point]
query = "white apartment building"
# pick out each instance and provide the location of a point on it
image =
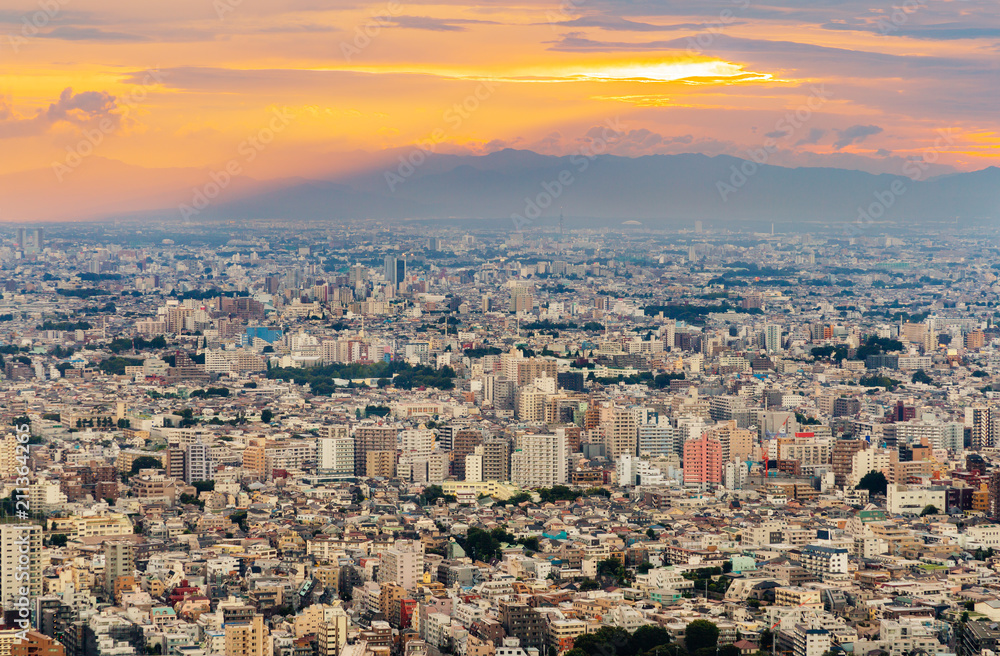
(908, 500)
(540, 461)
(335, 456)
(16, 542)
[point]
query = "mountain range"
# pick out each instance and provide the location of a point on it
(531, 187)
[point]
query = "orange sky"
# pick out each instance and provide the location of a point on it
(93, 92)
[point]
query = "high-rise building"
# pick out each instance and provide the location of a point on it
(332, 633)
(336, 456)
(417, 443)
(394, 269)
(174, 459)
(20, 543)
(198, 465)
(524, 623)
(403, 564)
(772, 338)
(540, 460)
(247, 637)
(703, 461)
(119, 562)
(657, 438)
(380, 464)
(975, 340)
(464, 443)
(530, 405)
(985, 427)
(994, 498)
(621, 433)
(473, 469)
(842, 458)
(737, 443)
(372, 438)
(496, 459)
(521, 299)
(33, 238)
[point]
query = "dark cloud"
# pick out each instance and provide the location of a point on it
(813, 137)
(855, 135)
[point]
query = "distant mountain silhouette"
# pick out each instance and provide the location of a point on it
(605, 190)
(650, 188)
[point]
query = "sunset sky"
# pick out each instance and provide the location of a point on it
(182, 85)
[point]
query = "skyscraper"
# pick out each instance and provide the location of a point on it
(395, 269)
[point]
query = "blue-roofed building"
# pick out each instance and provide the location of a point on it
(269, 335)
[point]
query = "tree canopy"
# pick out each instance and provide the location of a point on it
(874, 481)
(145, 462)
(700, 634)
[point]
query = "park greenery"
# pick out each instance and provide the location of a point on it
(401, 374)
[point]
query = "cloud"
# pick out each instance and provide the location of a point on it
(813, 137)
(615, 23)
(436, 24)
(855, 135)
(81, 109)
(69, 33)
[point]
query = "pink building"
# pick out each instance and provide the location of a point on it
(702, 461)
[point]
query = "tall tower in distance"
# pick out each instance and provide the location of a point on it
(30, 238)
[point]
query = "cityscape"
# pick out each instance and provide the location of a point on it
(450, 328)
(379, 439)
